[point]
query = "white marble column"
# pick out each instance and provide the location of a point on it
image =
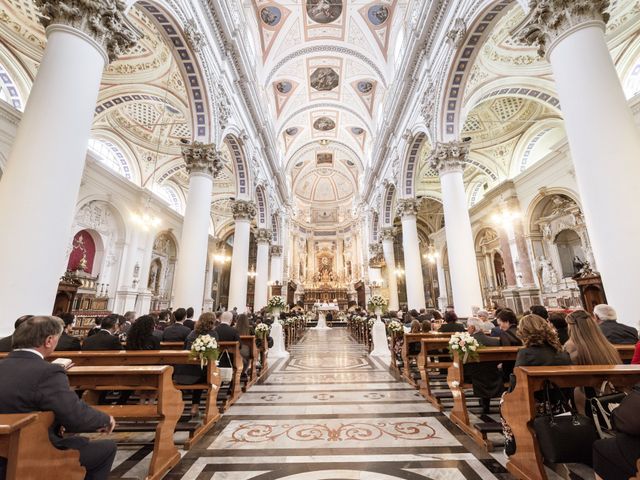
(603, 137)
(129, 277)
(243, 212)
(143, 302)
(276, 264)
(407, 210)
(442, 284)
(41, 181)
(208, 284)
(203, 164)
(388, 237)
(260, 294)
(449, 160)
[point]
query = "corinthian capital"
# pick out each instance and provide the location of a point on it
(202, 158)
(276, 250)
(102, 20)
(407, 206)
(263, 235)
(450, 156)
(388, 233)
(550, 20)
(243, 210)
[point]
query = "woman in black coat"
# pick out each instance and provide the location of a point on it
(140, 335)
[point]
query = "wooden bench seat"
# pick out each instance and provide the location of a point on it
(235, 388)
(408, 358)
(24, 442)
(519, 407)
(166, 411)
(433, 357)
(252, 370)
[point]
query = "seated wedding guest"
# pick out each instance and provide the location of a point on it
(126, 321)
(189, 322)
(451, 323)
(617, 457)
(541, 344)
(106, 338)
(407, 320)
(487, 325)
(177, 332)
(557, 319)
(475, 329)
(424, 315)
(141, 335)
(508, 323)
(5, 343)
(243, 327)
(539, 310)
(192, 374)
(31, 384)
(227, 333)
(96, 326)
(163, 320)
(425, 325)
(68, 342)
(414, 347)
(616, 333)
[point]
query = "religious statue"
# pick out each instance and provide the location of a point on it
(547, 274)
(578, 264)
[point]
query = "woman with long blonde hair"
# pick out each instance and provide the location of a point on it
(587, 345)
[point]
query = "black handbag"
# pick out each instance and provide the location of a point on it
(564, 438)
(601, 408)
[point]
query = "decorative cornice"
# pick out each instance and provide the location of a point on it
(263, 235)
(407, 207)
(449, 157)
(276, 250)
(549, 21)
(243, 210)
(202, 158)
(102, 20)
(388, 233)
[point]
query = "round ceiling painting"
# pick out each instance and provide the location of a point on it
(324, 11)
(378, 14)
(271, 16)
(324, 124)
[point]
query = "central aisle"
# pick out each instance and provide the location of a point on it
(329, 412)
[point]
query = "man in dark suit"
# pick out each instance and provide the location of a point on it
(31, 384)
(5, 343)
(227, 333)
(189, 323)
(106, 338)
(176, 332)
(67, 341)
(616, 333)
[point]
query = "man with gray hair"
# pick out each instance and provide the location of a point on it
(616, 333)
(487, 325)
(31, 384)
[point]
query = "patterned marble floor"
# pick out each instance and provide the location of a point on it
(328, 412)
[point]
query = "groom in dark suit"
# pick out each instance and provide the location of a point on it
(32, 384)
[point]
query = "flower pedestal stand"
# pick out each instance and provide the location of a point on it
(277, 333)
(379, 337)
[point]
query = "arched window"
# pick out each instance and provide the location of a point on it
(109, 154)
(170, 194)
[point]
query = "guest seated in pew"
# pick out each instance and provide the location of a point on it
(163, 321)
(487, 325)
(539, 310)
(31, 384)
(616, 333)
(508, 323)
(475, 328)
(557, 319)
(243, 327)
(96, 327)
(67, 342)
(425, 326)
(189, 322)
(106, 338)
(414, 347)
(227, 333)
(617, 458)
(541, 344)
(177, 332)
(5, 343)
(485, 377)
(141, 335)
(451, 323)
(192, 374)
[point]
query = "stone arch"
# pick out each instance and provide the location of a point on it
(240, 165)
(161, 275)
(262, 207)
(189, 66)
(275, 229)
(388, 206)
(375, 227)
(539, 202)
(411, 164)
(461, 66)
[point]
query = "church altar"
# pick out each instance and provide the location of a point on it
(323, 309)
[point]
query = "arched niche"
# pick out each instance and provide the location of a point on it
(164, 257)
(490, 265)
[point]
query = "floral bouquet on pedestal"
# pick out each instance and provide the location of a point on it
(466, 345)
(370, 322)
(275, 304)
(205, 349)
(395, 328)
(262, 330)
(378, 304)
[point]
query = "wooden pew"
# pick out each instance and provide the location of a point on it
(24, 442)
(159, 357)
(428, 362)
(519, 407)
(250, 341)
(410, 338)
(172, 346)
(235, 389)
(264, 354)
(166, 411)
(457, 384)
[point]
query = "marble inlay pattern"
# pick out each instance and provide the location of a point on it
(328, 413)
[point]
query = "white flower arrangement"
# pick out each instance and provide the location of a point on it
(205, 349)
(395, 327)
(275, 303)
(465, 344)
(370, 322)
(378, 302)
(262, 330)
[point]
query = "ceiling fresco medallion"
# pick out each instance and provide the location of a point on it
(324, 11)
(357, 130)
(378, 14)
(271, 16)
(365, 87)
(291, 131)
(324, 124)
(283, 86)
(324, 79)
